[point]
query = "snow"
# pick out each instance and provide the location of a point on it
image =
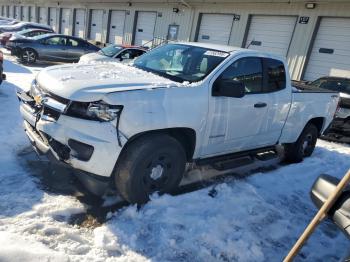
(252, 217)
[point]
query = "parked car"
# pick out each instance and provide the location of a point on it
(339, 129)
(114, 53)
(136, 126)
(7, 37)
(52, 47)
(8, 21)
(22, 26)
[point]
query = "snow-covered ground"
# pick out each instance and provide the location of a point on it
(251, 218)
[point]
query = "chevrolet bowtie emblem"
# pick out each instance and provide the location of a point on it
(39, 99)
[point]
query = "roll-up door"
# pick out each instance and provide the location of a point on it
(79, 23)
(215, 28)
(53, 21)
(25, 14)
(116, 27)
(42, 15)
(271, 33)
(65, 21)
(96, 25)
(145, 25)
(330, 53)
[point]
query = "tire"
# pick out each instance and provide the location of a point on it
(29, 56)
(153, 163)
(304, 146)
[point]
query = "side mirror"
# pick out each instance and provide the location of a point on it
(228, 87)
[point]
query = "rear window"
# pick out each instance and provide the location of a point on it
(276, 75)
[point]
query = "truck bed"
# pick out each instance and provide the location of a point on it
(304, 87)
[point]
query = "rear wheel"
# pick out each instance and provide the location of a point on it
(153, 163)
(304, 146)
(28, 56)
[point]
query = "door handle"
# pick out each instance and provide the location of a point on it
(260, 104)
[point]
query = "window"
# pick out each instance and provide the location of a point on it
(72, 42)
(56, 41)
(276, 75)
(130, 54)
(248, 71)
(180, 62)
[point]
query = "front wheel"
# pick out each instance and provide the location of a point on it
(304, 146)
(153, 163)
(28, 56)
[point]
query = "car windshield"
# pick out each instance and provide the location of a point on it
(180, 62)
(335, 84)
(110, 50)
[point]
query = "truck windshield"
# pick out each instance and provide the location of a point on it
(335, 84)
(180, 62)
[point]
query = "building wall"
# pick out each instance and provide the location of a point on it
(188, 17)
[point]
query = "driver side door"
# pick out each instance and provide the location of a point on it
(237, 124)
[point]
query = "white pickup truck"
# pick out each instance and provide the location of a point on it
(137, 126)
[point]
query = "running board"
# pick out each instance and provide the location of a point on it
(234, 160)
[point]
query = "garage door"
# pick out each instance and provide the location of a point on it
(3, 11)
(65, 21)
(79, 23)
(11, 11)
(271, 33)
(330, 54)
(17, 14)
(96, 25)
(53, 21)
(42, 15)
(215, 28)
(32, 14)
(144, 32)
(25, 14)
(116, 27)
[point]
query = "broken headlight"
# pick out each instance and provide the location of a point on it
(98, 111)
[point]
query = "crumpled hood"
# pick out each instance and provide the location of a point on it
(91, 82)
(94, 57)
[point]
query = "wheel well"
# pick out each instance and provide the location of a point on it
(185, 136)
(318, 122)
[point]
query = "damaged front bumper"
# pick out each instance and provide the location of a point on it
(90, 147)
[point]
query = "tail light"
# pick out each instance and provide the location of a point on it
(1, 56)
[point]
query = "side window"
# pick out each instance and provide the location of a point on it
(136, 53)
(56, 41)
(248, 71)
(124, 55)
(276, 75)
(72, 42)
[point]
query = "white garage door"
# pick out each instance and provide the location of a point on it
(79, 23)
(17, 13)
(144, 33)
(53, 18)
(42, 15)
(65, 21)
(215, 28)
(25, 14)
(96, 25)
(11, 11)
(32, 14)
(271, 33)
(330, 54)
(116, 27)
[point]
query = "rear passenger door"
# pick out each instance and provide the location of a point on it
(75, 49)
(53, 48)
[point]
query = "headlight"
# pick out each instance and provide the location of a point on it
(99, 111)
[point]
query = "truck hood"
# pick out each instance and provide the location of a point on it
(91, 82)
